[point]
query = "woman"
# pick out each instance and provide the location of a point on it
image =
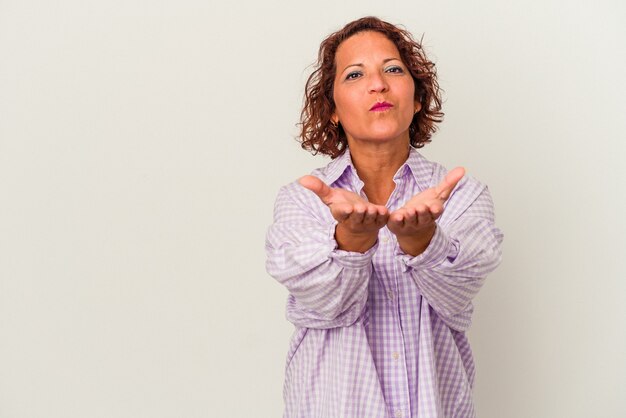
(382, 251)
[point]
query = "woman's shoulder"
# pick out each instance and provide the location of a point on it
(432, 172)
(468, 189)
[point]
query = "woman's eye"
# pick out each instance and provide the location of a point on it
(353, 75)
(395, 69)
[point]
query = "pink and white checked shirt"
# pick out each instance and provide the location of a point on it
(381, 334)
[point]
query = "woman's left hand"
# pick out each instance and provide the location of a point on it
(414, 223)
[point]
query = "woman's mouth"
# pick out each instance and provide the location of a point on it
(379, 107)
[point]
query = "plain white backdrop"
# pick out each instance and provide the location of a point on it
(142, 144)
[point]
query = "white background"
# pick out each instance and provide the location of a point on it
(142, 144)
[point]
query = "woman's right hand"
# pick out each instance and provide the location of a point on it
(358, 220)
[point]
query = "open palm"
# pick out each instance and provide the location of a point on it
(417, 216)
(350, 210)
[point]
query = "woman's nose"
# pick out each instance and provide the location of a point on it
(377, 83)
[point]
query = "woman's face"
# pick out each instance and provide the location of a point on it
(370, 71)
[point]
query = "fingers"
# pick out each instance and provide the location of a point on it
(396, 219)
(346, 206)
(381, 220)
(423, 215)
(436, 209)
(341, 212)
(370, 215)
(410, 219)
(444, 189)
(361, 216)
(359, 213)
(418, 216)
(317, 186)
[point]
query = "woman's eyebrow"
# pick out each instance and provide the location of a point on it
(386, 60)
(352, 65)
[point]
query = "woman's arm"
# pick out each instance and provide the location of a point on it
(327, 286)
(465, 247)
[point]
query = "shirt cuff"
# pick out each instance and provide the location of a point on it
(350, 259)
(439, 249)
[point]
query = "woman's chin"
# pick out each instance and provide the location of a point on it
(385, 137)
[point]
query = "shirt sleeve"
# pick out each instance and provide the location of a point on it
(327, 286)
(465, 248)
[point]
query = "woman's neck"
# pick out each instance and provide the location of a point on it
(376, 164)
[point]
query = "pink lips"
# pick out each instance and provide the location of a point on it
(379, 107)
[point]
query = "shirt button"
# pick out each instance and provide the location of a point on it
(390, 295)
(398, 413)
(396, 356)
(385, 240)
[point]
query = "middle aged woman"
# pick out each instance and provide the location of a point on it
(382, 251)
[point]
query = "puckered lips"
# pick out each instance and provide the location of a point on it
(380, 106)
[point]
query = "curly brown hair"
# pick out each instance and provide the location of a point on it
(320, 135)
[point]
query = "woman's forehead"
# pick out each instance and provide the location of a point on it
(364, 45)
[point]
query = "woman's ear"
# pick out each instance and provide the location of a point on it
(418, 107)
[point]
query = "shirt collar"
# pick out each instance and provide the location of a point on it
(420, 168)
(337, 167)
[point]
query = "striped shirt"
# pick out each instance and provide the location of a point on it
(381, 333)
